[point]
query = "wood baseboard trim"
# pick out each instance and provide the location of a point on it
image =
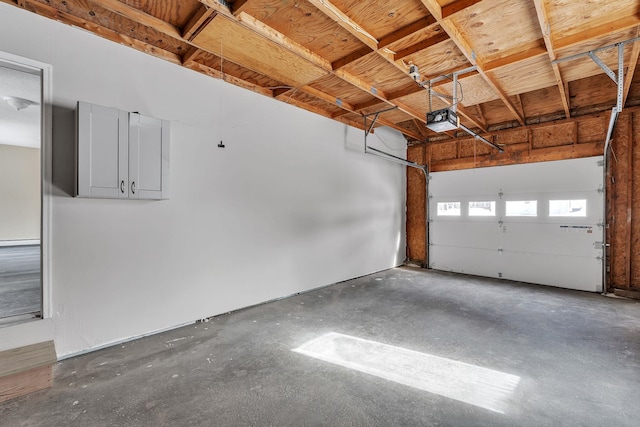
(16, 385)
(26, 369)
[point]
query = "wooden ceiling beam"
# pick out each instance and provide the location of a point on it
(394, 37)
(345, 22)
(406, 31)
(212, 72)
(379, 94)
(199, 19)
(617, 25)
(219, 7)
(454, 33)
(104, 32)
(457, 7)
(328, 98)
(352, 57)
(480, 114)
(190, 55)
(421, 128)
(367, 104)
(239, 6)
(545, 26)
(522, 55)
(351, 109)
(140, 17)
(281, 40)
(631, 69)
(420, 46)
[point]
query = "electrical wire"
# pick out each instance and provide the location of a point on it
(389, 146)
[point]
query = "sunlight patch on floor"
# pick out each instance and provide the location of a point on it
(475, 385)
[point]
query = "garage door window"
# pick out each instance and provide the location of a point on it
(572, 208)
(448, 208)
(522, 208)
(482, 208)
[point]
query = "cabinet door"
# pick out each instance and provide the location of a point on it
(102, 151)
(148, 157)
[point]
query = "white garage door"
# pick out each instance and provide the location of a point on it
(537, 223)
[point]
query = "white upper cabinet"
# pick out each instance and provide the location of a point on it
(121, 155)
(148, 157)
(103, 135)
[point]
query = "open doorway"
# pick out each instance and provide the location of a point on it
(21, 108)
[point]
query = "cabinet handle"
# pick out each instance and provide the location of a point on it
(122, 186)
(133, 187)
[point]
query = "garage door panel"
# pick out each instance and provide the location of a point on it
(464, 234)
(479, 262)
(552, 239)
(553, 270)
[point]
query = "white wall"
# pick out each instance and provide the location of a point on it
(19, 193)
(290, 204)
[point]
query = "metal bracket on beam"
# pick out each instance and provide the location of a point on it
(604, 66)
(383, 154)
(617, 78)
(580, 55)
(367, 130)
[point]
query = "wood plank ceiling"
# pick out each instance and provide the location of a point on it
(346, 58)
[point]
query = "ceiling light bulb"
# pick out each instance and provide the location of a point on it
(17, 103)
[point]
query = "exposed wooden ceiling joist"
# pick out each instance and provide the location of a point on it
(343, 58)
(545, 27)
(467, 50)
(631, 68)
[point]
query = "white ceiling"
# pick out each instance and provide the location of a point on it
(21, 128)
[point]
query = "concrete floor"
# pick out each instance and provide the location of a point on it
(570, 358)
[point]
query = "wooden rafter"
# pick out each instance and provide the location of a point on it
(520, 56)
(545, 26)
(456, 7)
(202, 16)
(345, 22)
(436, 10)
(406, 31)
(107, 33)
(189, 56)
(421, 129)
(616, 25)
(631, 69)
(422, 45)
(212, 72)
(143, 18)
(283, 41)
(385, 41)
(351, 57)
(302, 54)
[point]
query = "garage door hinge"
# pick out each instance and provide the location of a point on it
(600, 190)
(599, 245)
